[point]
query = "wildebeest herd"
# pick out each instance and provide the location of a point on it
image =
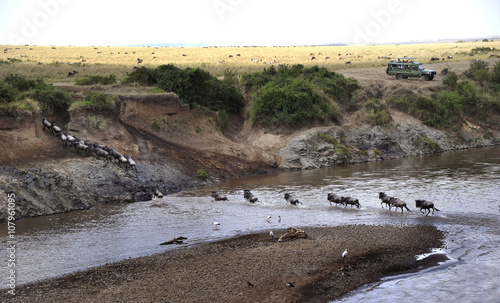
(425, 206)
(85, 147)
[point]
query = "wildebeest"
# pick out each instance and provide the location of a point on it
(81, 147)
(334, 198)
(116, 155)
(385, 199)
(98, 152)
(218, 197)
(434, 59)
(130, 162)
(291, 200)
(55, 129)
(46, 124)
(351, 201)
(69, 138)
(249, 196)
(62, 137)
(398, 203)
(427, 205)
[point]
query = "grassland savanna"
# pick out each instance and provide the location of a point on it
(53, 62)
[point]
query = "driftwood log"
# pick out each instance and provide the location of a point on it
(178, 240)
(293, 232)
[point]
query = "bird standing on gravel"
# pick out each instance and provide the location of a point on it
(271, 234)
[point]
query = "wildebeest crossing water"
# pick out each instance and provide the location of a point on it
(452, 181)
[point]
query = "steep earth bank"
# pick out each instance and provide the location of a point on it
(174, 146)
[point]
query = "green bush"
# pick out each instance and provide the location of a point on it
(442, 109)
(292, 103)
(483, 49)
(477, 69)
(94, 101)
(448, 106)
(378, 112)
(50, 98)
(495, 73)
(90, 80)
(202, 174)
(295, 95)
(194, 86)
(451, 80)
(14, 89)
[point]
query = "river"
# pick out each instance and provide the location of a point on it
(464, 185)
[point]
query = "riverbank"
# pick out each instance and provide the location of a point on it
(249, 268)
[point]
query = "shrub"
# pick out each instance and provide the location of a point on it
(477, 69)
(294, 95)
(378, 112)
(338, 146)
(7, 92)
(14, 88)
(202, 174)
(194, 86)
(90, 80)
(448, 106)
(483, 49)
(50, 98)
(94, 101)
(291, 103)
(495, 73)
(451, 80)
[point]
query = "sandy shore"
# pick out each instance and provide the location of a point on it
(249, 268)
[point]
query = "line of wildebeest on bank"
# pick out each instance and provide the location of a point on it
(425, 206)
(89, 148)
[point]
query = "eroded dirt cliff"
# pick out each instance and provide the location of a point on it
(172, 144)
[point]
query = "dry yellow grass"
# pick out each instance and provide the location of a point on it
(57, 61)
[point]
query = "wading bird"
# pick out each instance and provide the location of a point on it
(271, 234)
(344, 255)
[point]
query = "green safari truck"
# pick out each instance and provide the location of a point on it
(406, 67)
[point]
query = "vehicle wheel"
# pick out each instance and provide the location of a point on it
(426, 77)
(430, 78)
(399, 76)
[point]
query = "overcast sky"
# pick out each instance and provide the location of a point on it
(243, 22)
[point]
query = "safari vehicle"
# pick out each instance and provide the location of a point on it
(406, 67)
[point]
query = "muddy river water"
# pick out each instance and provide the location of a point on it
(464, 185)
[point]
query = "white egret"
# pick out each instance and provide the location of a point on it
(344, 254)
(271, 234)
